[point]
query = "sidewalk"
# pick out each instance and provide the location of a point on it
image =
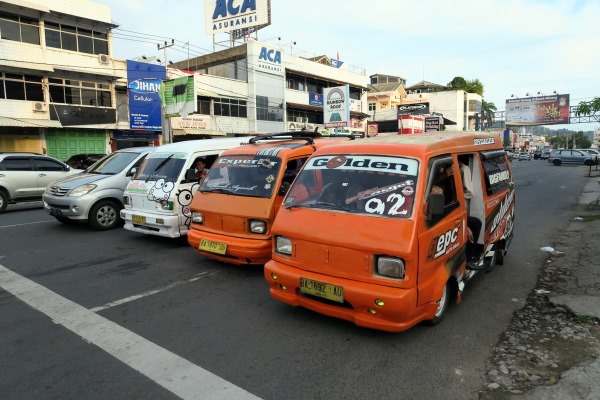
(551, 350)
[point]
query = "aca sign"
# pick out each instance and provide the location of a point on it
(229, 15)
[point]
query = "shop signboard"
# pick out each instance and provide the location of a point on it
(143, 84)
(336, 107)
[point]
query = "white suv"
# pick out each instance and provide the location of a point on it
(24, 176)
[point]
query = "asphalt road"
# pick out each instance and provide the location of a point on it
(96, 315)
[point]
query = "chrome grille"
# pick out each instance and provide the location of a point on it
(58, 191)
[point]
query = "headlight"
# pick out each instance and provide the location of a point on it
(390, 267)
(257, 226)
(283, 245)
(81, 190)
(197, 217)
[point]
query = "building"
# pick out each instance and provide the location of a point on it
(58, 82)
(260, 88)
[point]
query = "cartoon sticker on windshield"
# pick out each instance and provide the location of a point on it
(184, 198)
(160, 191)
(384, 200)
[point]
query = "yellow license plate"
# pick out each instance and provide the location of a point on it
(212, 246)
(321, 289)
(138, 219)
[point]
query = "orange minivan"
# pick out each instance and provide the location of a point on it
(385, 232)
(234, 208)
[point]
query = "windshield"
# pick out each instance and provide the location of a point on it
(113, 163)
(361, 184)
(166, 166)
(243, 175)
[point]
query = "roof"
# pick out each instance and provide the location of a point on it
(426, 84)
(286, 146)
(190, 146)
(384, 87)
(29, 122)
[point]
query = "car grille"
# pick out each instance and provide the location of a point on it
(58, 191)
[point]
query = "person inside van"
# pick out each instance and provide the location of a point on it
(200, 168)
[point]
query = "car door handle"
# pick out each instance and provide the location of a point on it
(2, 176)
(42, 174)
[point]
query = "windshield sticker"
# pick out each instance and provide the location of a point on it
(167, 155)
(499, 177)
(228, 187)
(366, 194)
(184, 198)
(396, 165)
(245, 162)
(160, 191)
(137, 187)
(483, 141)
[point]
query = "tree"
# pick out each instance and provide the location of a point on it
(588, 107)
(471, 86)
(458, 83)
(487, 112)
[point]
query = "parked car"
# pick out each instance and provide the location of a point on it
(24, 176)
(545, 155)
(537, 154)
(83, 161)
(592, 152)
(570, 156)
(524, 156)
(95, 196)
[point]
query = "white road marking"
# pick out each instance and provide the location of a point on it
(174, 373)
(27, 223)
(150, 292)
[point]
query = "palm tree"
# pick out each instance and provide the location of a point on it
(588, 107)
(488, 110)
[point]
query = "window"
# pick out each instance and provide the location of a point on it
(230, 107)
(82, 93)
(268, 109)
(16, 164)
(442, 180)
(43, 164)
(497, 175)
(372, 106)
(21, 87)
(20, 29)
(474, 106)
(68, 37)
(204, 105)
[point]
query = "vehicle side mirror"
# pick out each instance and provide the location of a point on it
(132, 171)
(190, 175)
(435, 204)
(285, 186)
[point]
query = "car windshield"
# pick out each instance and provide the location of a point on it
(243, 175)
(159, 165)
(362, 184)
(113, 163)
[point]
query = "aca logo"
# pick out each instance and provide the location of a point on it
(271, 55)
(225, 8)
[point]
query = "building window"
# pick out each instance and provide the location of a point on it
(474, 106)
(20, 29)
(383, 106)
(372, 106)
(21, 87)
(204, 105)
(268, 110)
(81, 93)
(230, 107)
(67, 37)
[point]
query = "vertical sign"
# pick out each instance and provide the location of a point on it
(143, 86)
(336, 107)
(179, 96)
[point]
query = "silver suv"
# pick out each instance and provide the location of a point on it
(24, 176)
(95, 196)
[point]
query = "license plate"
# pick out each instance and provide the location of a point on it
(55, 213)
(212, 246)
(138, 219)
(321, 289)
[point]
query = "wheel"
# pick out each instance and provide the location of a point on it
(104, 215)
(443, 305)
(499, 257)
(556, 162)
(3, 201)
(588, 163)
(66, 221)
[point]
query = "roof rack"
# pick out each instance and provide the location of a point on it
(308, 136)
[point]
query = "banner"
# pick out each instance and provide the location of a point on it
(336, 108)
(541, 110)
(179, 96)
(143, 83)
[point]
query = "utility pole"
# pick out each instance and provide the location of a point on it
(165, 46)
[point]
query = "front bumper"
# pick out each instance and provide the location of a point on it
(153, 224)
(76, 208)
(240, 251)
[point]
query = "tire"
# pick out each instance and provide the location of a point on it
(443, 305)
(3, 201)
(66, 221)
(105, 215)
(556, 162)
(588, 163)
(499, 257)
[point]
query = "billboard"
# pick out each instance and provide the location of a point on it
(233, 15)
(143, 86)
(413, 109)
(179, 96)
(541, 110)
(336, 109)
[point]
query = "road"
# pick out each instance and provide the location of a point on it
(96, 315)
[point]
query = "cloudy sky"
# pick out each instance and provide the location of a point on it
(511, 46)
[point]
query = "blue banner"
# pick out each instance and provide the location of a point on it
(143, 86)
(315, 99)
(336, 63)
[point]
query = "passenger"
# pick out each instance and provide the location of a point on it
(473, 223)
(201, 170)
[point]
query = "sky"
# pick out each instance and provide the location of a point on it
(513, 47)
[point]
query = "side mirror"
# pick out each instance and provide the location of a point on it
(131, 172)
(285, 186)
(190, 175)
(435, 204)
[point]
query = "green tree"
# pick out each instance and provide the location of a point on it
(487, 112)
(588, 107)
(469, 86)
(458, 83)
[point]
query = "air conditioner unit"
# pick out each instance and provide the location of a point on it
(299, 120)
(40, 107)
(103, 58)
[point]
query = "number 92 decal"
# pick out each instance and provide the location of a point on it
(377, 206)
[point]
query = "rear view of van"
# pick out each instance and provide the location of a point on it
(157, 200)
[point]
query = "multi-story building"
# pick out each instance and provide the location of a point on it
(259, 88)
(57, 78)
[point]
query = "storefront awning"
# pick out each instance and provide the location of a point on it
(29, 123)
(196, 131)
